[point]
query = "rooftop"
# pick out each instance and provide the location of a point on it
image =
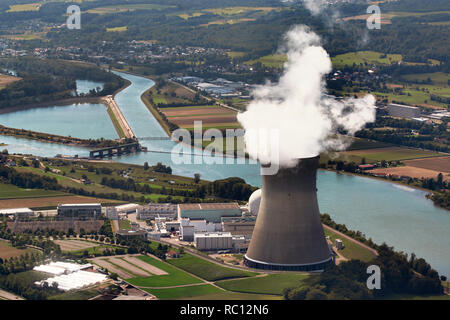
(209, 206)
(79, 204)
(212, 234)
(15, 210)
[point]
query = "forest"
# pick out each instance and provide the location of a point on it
(52, 80)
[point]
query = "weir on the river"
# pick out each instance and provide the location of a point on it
(113, 151)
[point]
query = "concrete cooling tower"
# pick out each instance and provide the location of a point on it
(288, 234)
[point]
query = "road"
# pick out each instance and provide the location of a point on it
(9, 296)
(111, 103)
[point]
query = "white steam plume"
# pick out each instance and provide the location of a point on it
(307, 122)
(315, 6)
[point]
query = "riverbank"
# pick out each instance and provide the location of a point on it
(53, 138)
(57, 103)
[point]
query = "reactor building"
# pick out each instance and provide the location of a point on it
(288, 233)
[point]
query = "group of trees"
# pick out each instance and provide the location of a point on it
(27, 180)
(432, 137)
(51, 80)
(230, 188)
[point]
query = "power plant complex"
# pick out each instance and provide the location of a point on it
(288, 233)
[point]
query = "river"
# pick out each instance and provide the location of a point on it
(386, 212)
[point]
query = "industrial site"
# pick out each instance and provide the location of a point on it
(242, 154)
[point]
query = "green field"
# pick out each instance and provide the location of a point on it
(187, 16)
(227, 295)
(24, 7)
(98, 250)
(394, 154)
(351, 250)
(125, 224)
(207, 270)
(239, 10)
(236, 54)
(175, 276)
(438, 78)
(416, 95)
(117, 29)
(365, 57)
(184, 292)
(270, 284)
(271, 61)
(9, 191)
(76, 295)
(127, 7)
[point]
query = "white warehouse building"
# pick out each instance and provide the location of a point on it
(213, 240)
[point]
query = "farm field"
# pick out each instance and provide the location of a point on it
(174, 276)
(75, 245)
(124, 264)
(365, 57)
(184, 292)
(413, 95)
(228, 295)
(145, 266)
(386, 17)
(104, 263)
(5, 80)
(438, 78)
(117, 29)
(24, 7)
(9, 191)
(269, 284)
(187, 16)
(239, 10)
(227, 21)
(95, 250)
(392, 154)
(171, 93)
(441, 164)
(127, 7)
(271, 61)
(412, 172)
(208, 270)
(211, 117)
(7, 251)
(77, 295)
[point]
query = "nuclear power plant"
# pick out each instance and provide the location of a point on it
(288, 234)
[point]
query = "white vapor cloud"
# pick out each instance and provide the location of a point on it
(296, 107)
(315, 6)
